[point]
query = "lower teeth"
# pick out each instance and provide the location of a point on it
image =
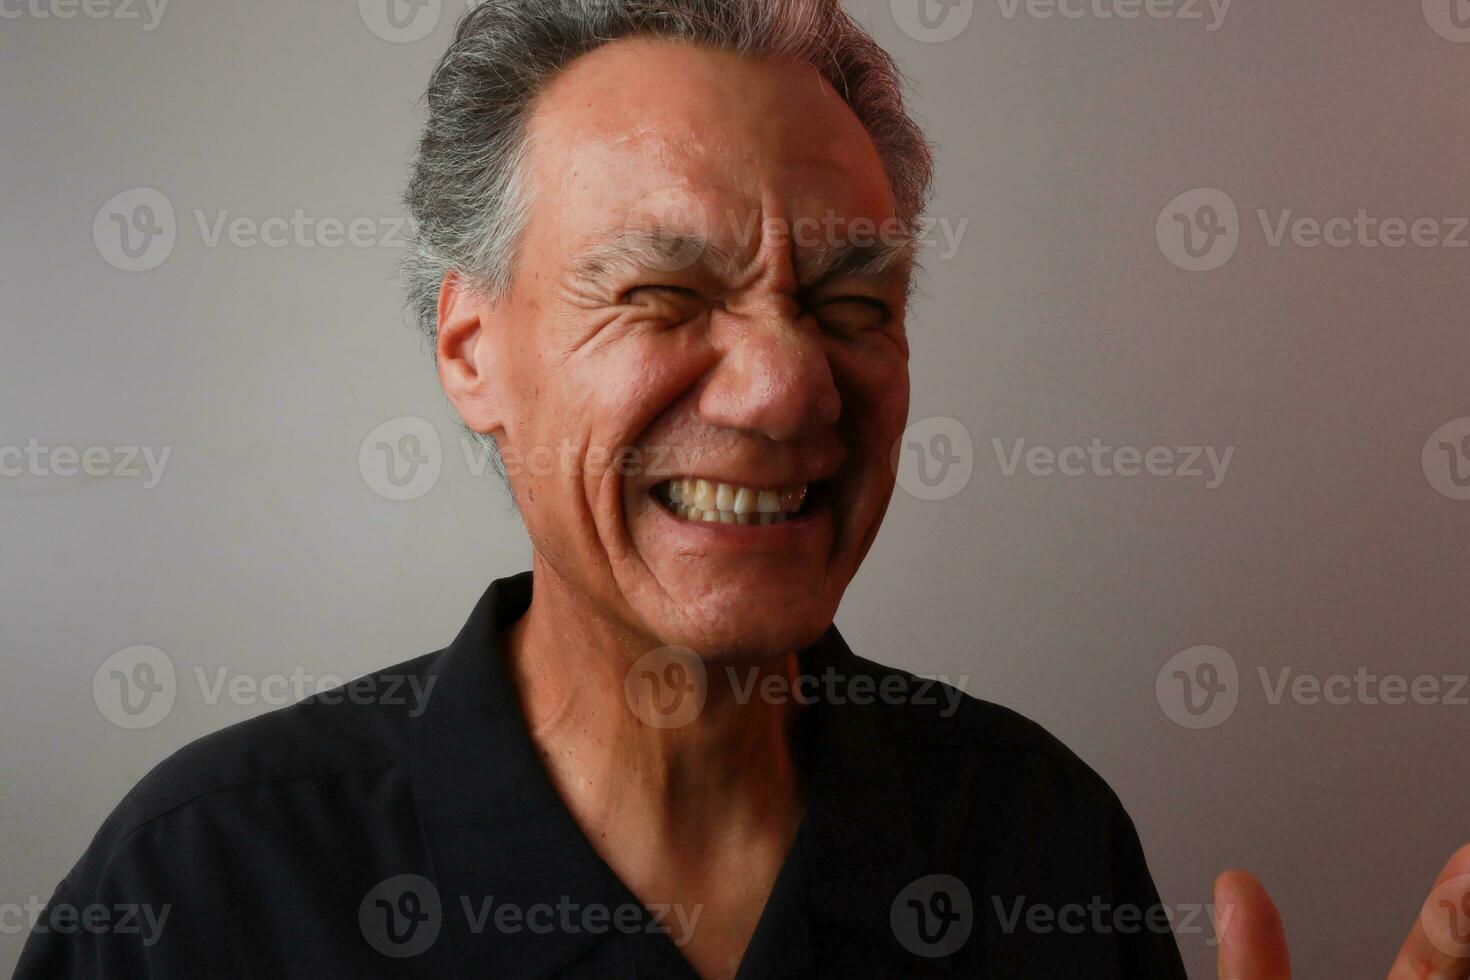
(727, 516)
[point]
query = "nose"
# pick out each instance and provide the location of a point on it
(772, 377)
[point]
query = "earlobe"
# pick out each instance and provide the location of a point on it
(463, 352)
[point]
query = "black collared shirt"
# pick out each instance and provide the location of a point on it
(404, 826)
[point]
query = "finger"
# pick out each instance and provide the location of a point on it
(1252, 940)
(1438, 947)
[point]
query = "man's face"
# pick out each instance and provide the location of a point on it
(712, 278)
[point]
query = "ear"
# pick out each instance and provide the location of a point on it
(464, 351)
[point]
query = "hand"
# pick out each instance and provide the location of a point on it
(1253, 943)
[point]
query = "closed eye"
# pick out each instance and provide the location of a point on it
(667, 305)
(655, 289)
(851, 314)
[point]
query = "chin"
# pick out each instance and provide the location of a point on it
(754, 627)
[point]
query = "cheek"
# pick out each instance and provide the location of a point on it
(611, 403)
(875, 391)
(895, 409)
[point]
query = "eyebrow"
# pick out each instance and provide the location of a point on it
(659, 249)
(886, 259)
(648, 249)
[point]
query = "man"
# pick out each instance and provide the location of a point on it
(670, 241)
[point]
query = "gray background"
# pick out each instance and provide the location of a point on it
(265, 550)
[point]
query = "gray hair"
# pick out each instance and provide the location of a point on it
(467, 194)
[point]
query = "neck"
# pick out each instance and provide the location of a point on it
(702, 791)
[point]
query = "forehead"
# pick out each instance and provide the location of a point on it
(641, 123)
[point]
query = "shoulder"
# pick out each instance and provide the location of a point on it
(1001, 795)
(357, 728)
(976, 746)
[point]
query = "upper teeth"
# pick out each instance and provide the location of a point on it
(729, 503)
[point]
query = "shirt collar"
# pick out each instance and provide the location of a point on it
(495, 825)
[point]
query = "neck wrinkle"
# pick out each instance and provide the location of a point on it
(726, 778)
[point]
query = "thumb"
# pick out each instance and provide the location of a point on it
(1252, 940)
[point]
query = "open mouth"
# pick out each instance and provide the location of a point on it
(712, 502)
